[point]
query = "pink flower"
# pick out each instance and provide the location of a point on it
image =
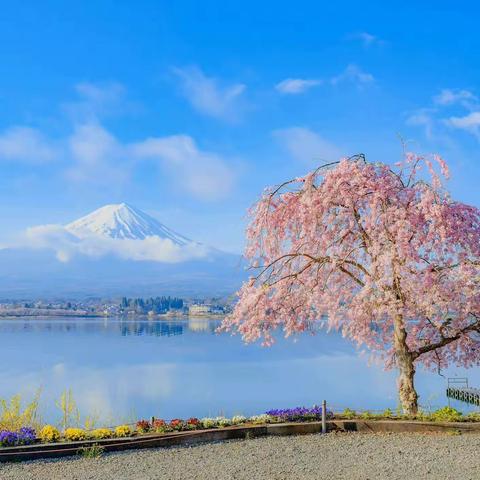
(367, 249)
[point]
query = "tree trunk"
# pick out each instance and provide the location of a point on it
(406, 369)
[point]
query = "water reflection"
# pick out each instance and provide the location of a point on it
(123, 326)
(121, 368)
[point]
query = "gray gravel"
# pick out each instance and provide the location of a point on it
(333, 456)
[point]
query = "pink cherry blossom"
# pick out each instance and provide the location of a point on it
(380, 253)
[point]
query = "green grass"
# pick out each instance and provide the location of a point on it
(93, 451)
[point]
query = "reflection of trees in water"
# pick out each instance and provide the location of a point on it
(157, 328)
(201, 325)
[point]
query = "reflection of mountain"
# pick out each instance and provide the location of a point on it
(115, 250)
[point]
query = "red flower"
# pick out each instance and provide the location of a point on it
(176, 424)
(143, 425)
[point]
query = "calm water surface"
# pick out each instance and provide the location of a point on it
(123, 369)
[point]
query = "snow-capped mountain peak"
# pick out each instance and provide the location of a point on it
(122, 221)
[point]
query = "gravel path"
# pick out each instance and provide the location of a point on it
(320, 457)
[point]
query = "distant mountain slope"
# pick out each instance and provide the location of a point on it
(121, 221)
(113, 251)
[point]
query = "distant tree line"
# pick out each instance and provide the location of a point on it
(157, 304)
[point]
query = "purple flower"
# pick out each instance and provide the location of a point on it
(8, 439)
(24, 436)
(298, 414)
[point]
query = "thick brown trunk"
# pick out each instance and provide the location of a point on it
(406, 369)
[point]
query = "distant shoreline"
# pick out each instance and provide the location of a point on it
(68, 313)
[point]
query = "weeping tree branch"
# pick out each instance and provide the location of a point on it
(473, 327)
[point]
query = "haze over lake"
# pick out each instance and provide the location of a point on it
(121, 369)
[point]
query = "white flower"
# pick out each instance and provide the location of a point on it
(222, 422)
(237, 419)
(264, 418)
(208, 422)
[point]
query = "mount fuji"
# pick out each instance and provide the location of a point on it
(122, 221)
(115, 250)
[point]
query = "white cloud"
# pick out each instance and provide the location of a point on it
(203, 174)
(96, 100)
(101, 94)
(469, 123)
(92, 155)
(367, 39)
(354, 74)
(96, 155)
(307, 146)
(423, 118)
(451, 97)
(153, 248)
(24, 144)
(296, 85)
(207, 96)
(430, 118)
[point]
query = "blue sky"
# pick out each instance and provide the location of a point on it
(188, 110)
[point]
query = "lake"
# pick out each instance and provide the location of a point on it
(125, 369)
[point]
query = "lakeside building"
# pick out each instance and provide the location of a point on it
(199, 309)
(205, 309)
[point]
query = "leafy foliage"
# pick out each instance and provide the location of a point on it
(92, 451)
(157, 305)
(14, 416)
(446, 414)
(68, 407)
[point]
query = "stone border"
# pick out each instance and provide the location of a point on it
(53, 450)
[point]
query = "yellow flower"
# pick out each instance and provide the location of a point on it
(100, 433)
(73, 434)
(123, 431)
(49, 434)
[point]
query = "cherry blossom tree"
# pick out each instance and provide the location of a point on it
(381, 253)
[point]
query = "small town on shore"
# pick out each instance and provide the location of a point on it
(153, 307)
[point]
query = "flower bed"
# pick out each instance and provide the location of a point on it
(49, 434)
(299, 414)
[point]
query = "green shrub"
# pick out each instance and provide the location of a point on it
(387, 413)
(93, 451)
(473, 417)
(367, 415)
(349, 414)
(447, 414)
(424, 416)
